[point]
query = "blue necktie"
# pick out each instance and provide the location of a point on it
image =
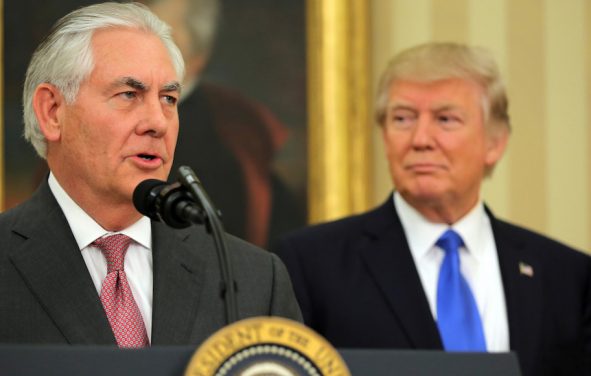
(457, 315)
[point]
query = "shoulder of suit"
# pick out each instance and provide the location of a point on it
(349, 227)
(533, 239)
(39, 204)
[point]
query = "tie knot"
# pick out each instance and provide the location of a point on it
(450, 241)
(114, 248)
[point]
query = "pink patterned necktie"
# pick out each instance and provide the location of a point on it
(122, 311)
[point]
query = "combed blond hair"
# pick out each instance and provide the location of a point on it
(438, 61)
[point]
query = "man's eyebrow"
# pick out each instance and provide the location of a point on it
(172, 86)
(133, 83)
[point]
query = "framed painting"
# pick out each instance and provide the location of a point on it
(284, 82)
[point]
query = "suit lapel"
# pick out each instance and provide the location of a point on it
(178, 283)
(50, 262)
(521, 274)
(390, 263)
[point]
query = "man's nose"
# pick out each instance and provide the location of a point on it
(423, 132)
(154, 120)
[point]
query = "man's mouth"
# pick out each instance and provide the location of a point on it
(425, 167)
(147, 157)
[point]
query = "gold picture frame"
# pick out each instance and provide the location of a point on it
(340, 124)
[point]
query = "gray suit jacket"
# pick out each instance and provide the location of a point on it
(47, 295)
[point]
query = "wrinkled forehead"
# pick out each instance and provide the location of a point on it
(123, 52)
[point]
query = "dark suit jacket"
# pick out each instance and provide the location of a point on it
(357, 285)
(47, 295)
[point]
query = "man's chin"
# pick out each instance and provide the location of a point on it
(160, 174)
(136, 180)
(424, 195)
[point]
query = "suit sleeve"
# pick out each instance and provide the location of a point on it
(290, 256)
(283, 300)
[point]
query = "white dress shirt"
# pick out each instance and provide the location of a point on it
(478, 262)
(138, 259)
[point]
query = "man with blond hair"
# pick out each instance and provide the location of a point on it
(433, 268)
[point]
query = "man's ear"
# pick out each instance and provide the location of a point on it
(496, 144)
(48, 101)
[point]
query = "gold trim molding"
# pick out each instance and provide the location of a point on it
(339, 120)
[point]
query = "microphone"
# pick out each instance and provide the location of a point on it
(169, 203)
(192, 183)
(179, 205)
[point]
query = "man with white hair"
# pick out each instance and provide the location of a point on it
(78, 263)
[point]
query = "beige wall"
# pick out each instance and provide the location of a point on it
(543, 48)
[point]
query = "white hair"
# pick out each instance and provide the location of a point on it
(64, 59)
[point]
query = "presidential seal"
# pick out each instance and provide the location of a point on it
(266, 346)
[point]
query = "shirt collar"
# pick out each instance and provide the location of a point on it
(422, 234)
(86, 230)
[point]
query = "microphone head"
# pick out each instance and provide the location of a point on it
(145, 197)
(187, 175)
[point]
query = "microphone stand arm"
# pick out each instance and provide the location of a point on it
(215, 227)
